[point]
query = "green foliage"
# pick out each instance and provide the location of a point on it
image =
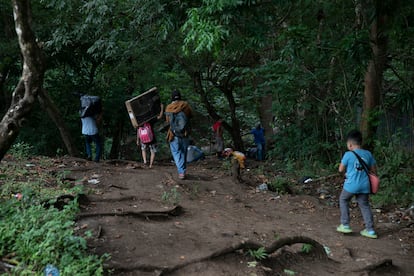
(279, 184)
(194, 191)
(289, 272)
(312, 67)
(396, 175)
(39, 236)
(21, 150)
(173, 196)
(202, 35)
(34, 236)
(259, 254)
(306, 248)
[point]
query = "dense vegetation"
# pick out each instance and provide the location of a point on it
(308, 70)
(34, 235)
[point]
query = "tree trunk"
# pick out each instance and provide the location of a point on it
(49, 106)
(266, 117)
(234, 128)
(374, 76)
(116, 139)
(31, 81)
(118, 129)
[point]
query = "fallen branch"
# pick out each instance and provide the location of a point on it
(147, 215)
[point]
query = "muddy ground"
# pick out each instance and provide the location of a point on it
(133, 215)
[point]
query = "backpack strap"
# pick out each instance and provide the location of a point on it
(365, 166)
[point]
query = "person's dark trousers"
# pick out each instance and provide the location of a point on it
(260, 151)
(88, 141)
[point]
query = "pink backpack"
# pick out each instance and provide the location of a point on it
(145, 133)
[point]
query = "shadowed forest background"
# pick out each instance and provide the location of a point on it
(308, 70)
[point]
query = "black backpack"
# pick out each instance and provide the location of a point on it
(179, 124)
(90, 106)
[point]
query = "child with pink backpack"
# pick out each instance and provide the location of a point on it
(146, 138)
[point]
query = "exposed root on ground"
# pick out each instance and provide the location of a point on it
(317, 250)
(380, 266)
(146, 215)
(111, 199)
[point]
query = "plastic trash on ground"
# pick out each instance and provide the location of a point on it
(51, 270)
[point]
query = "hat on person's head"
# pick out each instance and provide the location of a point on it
(175, 95)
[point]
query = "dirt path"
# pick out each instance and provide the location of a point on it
(218, 214)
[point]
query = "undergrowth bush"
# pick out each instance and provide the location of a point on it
(396, 175)
(279, 184)
(31, 235)
(34, 237)
(21, 150)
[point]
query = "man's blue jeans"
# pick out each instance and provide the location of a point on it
(97, 140)
(260, 151)
(178, 148)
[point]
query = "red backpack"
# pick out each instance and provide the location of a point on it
(145, 133)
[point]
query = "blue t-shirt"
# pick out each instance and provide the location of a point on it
(357, 181)
(89, 126)
(258, 135)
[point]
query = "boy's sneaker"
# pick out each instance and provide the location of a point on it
(181, 176)
(345, 229)
(369, 234)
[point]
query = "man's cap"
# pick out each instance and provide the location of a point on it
(175, 95)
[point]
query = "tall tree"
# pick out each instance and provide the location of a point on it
(376, 66)
(31, 81)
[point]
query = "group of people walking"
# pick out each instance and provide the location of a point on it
(179, 113)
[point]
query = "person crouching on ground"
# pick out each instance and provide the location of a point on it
(178, 113)
(356, 184)
(237, 162)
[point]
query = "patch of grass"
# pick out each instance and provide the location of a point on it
(289, 272)
(226, 164)
(194, 191)
(259, 254)
(306, 248)
(173, 196)
(21, 150)
(279, 184)
(33, 236)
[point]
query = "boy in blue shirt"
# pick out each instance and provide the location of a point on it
(356, 184)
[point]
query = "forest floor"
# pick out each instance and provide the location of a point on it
(151, 223)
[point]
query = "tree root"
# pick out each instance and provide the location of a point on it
(381, 265)
(317, 248)
(146, 215)
(118, 199)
